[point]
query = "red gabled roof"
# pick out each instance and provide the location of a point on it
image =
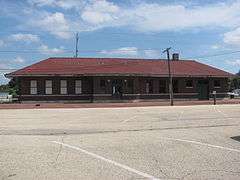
(118, 66)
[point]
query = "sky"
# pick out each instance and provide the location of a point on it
(204, 30)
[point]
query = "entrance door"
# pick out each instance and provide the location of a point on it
(117, 89)
(203, 89)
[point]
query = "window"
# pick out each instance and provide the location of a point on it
(102, 83)
(63, 87)
(149, 87)
(33, 87)
(189, 83)
(162, 86)
(217, 84)
(48, 87)
(130, 83)
(78, 86)
(128, 86)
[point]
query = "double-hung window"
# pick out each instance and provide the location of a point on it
(102, 83)
(162, 86)
(48, 87)
(33, 87)
(78, 87)
(63, 87)
(189, 83)
(217, 84)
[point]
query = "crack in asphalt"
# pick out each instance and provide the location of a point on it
(155, 116)
(58, 132)
(59, 152)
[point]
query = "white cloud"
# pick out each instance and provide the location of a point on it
(54, 23)
(96, 18)
(41, 2)
(28, 38)
(69, 4)
(215, 46)
(124, 51)
(90, 15)
(133, 52)
(155, 17)
(19, 60)
(232, 37)
(150, 53)
(100, 12)
(77, 4)
(11, 63)
(44, 49)
(233, 62)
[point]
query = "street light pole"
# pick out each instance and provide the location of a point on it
(169, 76)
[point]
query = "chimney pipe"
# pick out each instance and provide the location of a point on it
(175, 57)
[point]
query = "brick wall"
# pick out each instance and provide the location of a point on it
(92, 90)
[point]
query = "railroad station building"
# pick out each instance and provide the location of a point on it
(118, 79)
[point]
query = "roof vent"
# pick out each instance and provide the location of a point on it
(175, 57)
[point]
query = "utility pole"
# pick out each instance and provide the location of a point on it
(169, 76)
(76, 50)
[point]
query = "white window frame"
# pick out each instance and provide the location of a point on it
(48, 86)
(33, 87)
(78, 86)
(63, 87)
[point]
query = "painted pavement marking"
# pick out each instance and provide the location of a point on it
(145, 175)
(203, 144)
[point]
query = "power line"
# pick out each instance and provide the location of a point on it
(71, 51)
(37, 51)
(95, 32)
(103, 51)
(214, 55)
(112, 51)
(3, 69)
(84, 32)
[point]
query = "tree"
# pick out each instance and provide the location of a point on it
(4, 88)
(13, 87)
(238, 73)
(235, 82)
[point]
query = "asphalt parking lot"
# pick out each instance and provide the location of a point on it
(183, 142)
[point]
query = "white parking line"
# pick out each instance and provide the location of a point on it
(108, 160)
(180, 115)
(203, 144)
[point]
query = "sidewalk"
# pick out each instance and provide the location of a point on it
(112, 105)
